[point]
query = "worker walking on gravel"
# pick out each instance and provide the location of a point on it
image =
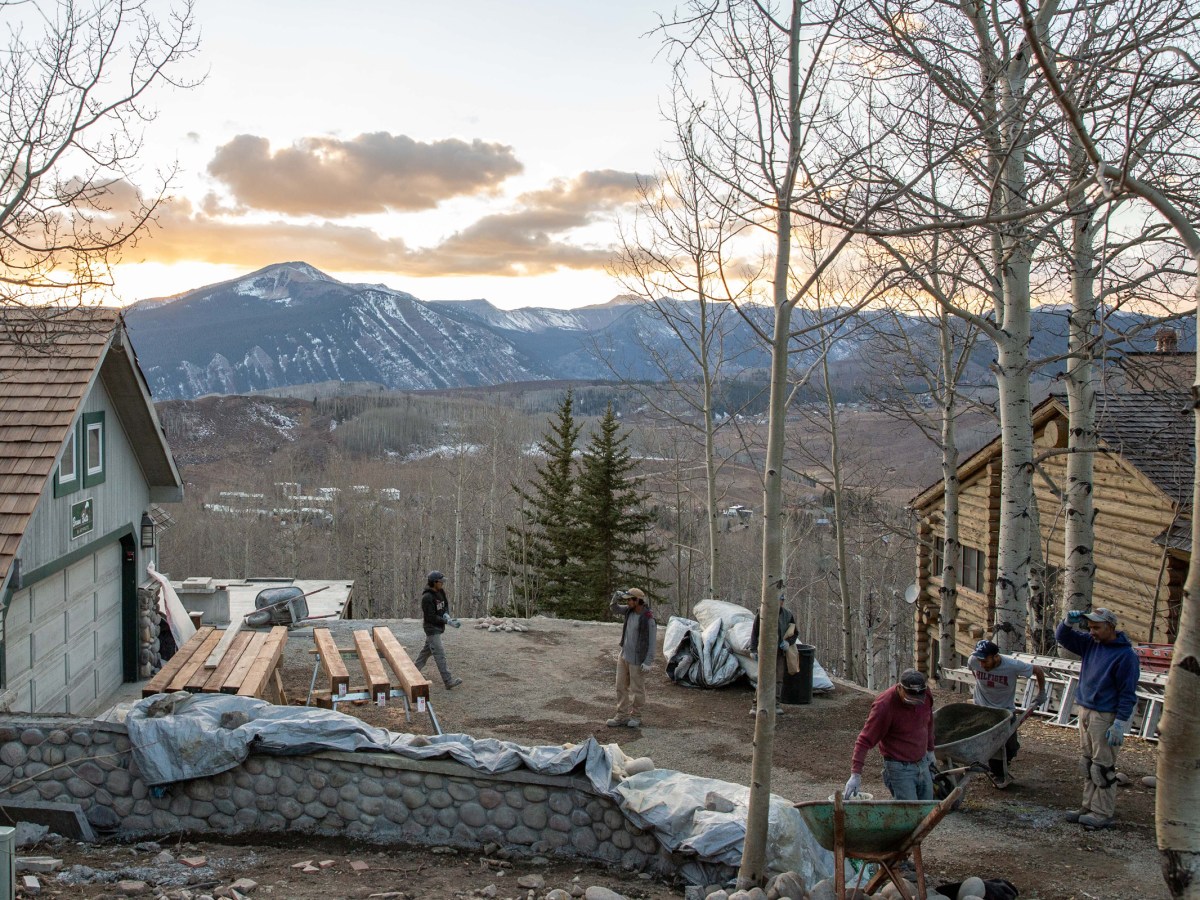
(901, 723)
(435, 615)
(1106, 696)
(996, 687)
(639, 635)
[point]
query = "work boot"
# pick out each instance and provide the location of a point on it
(453, 683)
(778, 710)
(1092, 820)
(1075, 815)
(1003, 783)
(634, 723)
(617, 722)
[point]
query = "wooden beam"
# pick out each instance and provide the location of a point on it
(199, 648)
(233, 653)
(372, 666)
(332, 662)
(414, 683)
(259, 676)
(214, 658)
(195, 681)
(233, 683)
(158, 684)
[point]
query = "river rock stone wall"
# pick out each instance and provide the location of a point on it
(372, 796)
(150, 624)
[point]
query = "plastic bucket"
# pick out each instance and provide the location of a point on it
(798, 688)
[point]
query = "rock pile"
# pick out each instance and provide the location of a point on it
(150, 624)
(491, 623)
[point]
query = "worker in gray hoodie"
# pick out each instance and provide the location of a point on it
(639, 635)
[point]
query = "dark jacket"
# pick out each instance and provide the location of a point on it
(785, 619)
(637, 643)
(1108, 673)
(434, 605)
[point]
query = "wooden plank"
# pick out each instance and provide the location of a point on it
(414, 683)
(372, 666)
(332, 662)
(158, 684)
(195, 675)
(233, 683)
(280, 695)
(233, 653)
(260, 673)
(218, 654)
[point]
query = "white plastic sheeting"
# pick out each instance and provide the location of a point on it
(181, 736)
(698, 657)
(736, 624)
(672, 805)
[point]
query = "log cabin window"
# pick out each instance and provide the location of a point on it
(972, 565)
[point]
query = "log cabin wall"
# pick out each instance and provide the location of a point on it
(1132, 573)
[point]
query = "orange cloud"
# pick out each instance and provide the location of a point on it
(532, 240)
(370, 173)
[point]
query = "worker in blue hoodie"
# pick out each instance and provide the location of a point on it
(1107, 695)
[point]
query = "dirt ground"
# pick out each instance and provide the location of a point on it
(553, 684)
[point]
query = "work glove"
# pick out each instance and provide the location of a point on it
(1040, 698)
(1116, 733)
(852, 787)
(446, 618)
(1074, 617)
(456, 623)
(646, 667)
(783, 645)
(931, 760)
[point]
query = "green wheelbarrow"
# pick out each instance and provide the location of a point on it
(886, 832)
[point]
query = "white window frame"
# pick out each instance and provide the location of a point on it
(98, 429)
(70, 453)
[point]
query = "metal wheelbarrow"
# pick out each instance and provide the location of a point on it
(880, 831)
(967, 738)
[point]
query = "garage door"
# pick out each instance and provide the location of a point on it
(63, 638)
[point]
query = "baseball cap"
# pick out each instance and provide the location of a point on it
(1100, 614)
(436, 576)
(985, 648)
(636, 592)
(912, 681)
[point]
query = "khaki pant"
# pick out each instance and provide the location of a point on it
(631, 690)
(1098, 762)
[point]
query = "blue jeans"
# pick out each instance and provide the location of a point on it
(908, 781)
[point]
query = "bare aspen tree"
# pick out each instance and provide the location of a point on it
(1177, 800)
(76, 81)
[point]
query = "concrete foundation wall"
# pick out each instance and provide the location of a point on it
(371, 796)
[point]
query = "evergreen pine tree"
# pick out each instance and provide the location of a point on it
(541, 550)
(616, 550)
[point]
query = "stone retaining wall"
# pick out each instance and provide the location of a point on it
(376, 797)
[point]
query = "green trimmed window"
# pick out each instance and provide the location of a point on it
(94, 446)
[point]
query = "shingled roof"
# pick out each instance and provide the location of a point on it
(1154, 432)
(49, 359)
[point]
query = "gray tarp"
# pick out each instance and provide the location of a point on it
(738, 623)
(672, 805)
(189, 741)
(698, 657)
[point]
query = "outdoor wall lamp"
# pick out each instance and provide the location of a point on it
(147, 532)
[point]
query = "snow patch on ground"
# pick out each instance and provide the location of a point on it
(445, 451)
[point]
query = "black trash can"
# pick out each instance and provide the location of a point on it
(797, 689)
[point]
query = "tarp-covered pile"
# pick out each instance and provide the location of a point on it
(713, 649)
(177, 737)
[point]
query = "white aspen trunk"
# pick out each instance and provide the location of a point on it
(951, 547)
(1012, 375)
(753, 869)
(1079, 533)
(849, 670)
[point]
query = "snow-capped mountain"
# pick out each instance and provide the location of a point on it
(291, 324)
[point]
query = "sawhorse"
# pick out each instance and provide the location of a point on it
(371, 649)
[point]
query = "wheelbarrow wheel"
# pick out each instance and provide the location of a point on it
(944, 785)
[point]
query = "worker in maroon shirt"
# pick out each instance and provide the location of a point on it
(901, 723)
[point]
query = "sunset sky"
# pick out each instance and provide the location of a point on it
(451, 150)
